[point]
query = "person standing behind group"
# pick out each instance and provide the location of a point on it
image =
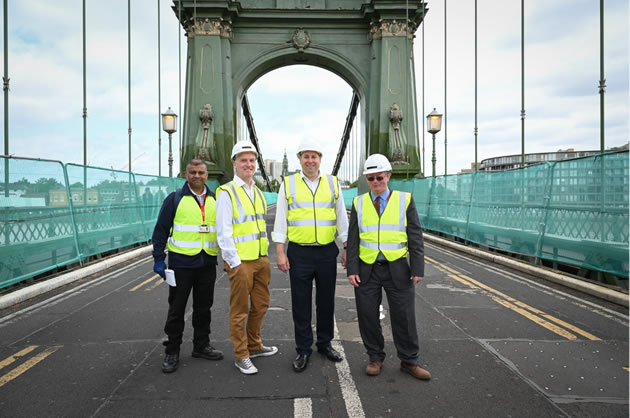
(311, 212)
(187, 222)
(384, 230)
(242, 236)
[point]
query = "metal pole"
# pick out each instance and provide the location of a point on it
(84, 95)
(602, 80)
(522, 83)
(159, 95)
(476, 129)
(423, 165)
(179, 48)
(129, 72)
(170, 156)
(5, 79)
(445, 97)
(433, 158)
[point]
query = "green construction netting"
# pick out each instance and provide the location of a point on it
(55, 214)
(573, 212)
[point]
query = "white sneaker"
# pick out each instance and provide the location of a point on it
(264, 352)
(246, 366)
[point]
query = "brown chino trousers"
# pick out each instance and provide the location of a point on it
(249, 300)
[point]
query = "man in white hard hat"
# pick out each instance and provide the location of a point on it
(242, 237)
(311, 214)
(386, 252)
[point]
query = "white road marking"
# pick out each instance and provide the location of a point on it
(354, 408)
(302, 408)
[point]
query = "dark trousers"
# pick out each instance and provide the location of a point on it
(201, 282)
(369, 296)
(308, 263)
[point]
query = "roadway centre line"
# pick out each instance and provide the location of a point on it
(593, 307)
(27, 365)
(9, 360)
(354, 408)
(302, 408)
(521, 308)
(70, 292)
(150, 279)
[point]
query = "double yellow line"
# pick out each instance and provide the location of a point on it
(12, 374)
(541, 318)
(147, 281)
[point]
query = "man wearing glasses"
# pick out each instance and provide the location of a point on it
(384, 233)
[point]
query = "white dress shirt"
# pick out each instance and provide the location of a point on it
(279, 233)
(224, 223)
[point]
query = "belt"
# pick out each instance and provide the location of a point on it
(381, 262)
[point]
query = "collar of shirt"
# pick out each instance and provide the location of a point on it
(239, 182)
(200, 197)
(384, 196)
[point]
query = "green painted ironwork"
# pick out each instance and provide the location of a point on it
(368, 43)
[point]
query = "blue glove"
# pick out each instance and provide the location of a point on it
(159, 267)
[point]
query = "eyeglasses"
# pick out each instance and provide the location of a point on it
(377, 178)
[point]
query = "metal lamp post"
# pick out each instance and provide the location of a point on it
(434, 125)
(169, 125)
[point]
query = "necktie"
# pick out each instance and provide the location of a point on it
(377, 204)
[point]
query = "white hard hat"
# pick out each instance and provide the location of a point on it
(308, 146)
(376, 163)
(243, 146)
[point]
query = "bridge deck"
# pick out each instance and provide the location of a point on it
(497, 343)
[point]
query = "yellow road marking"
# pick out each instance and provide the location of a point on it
(626, 369)
(13, 357)
(154, 285)
(133, 289)
(521, 308)
(27, 365)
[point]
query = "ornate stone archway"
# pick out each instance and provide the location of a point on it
(367, 43)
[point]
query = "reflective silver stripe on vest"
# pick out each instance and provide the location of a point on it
(246, 218)
(262, 201)
(403, 210)
(384, 227)
(311, 222)
(210, 244)
(360, 213)
(251, 237)
(184, 244)
(375, 246)
(192, 228)
(239, 205)
(332, 190)
(291, 190)
(309, 205)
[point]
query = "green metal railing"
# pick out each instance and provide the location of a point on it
(573, 212)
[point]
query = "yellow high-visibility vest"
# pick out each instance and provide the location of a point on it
(186, 237)
(386, 233)
(311, 218)
(248, 221)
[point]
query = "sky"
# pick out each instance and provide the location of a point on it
(562, 67)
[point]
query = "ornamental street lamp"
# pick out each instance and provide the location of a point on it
(434, 125)
(169, 125)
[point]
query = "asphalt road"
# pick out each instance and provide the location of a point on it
(497, 342)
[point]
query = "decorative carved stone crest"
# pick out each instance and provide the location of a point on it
(206, 26)
(390, 28)
(301, 39)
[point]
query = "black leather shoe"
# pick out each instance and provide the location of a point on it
(170, 363)
(209, 353)
(300, 362)
(331, 353)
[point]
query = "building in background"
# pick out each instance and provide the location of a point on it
(509, 162)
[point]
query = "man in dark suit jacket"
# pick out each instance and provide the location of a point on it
(386, 251)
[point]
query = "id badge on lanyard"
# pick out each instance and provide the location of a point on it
(203, 228)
